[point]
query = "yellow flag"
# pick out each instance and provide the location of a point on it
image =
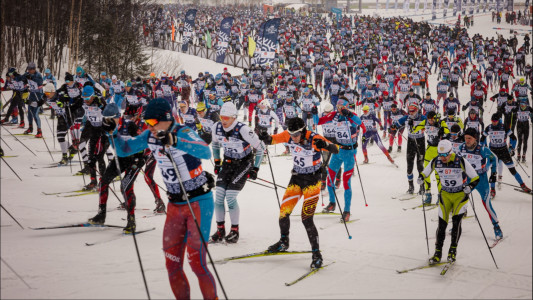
(251, 46)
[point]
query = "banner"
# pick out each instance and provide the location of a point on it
(207, 38)
(337, 12)
(510, 5)
(417, 4)
(267, 42)
(223, 37)
(455, 7)
(188, 27)
(433, 10)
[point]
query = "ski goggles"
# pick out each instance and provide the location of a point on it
(444, 154)
(86, 98)
(296, 133)
(151, 122)
(225, 118)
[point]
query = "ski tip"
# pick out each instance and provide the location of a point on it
(89, 244)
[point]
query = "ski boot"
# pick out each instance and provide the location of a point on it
(329, 209)
(159, 206)
(524, 159)
(345, 216)
(1, 152)
(130, 227)
(436, 257)
(29, 130)
(366, 159)
(452, 253)
(3, 121)
(233, 236)
(390, 149)
(99, 219)
(499, 184)
(280, 246)
(411, 189)
(427, 200)
(91, 186)
(15, 120)
(21, 125)
(71, 152)
(498, 231)
(63, 161)
(492, 193)
(218, 236)
(525, 188)
(39, 133)
(85, 171)
(422, 189)
(399, 149)
(317, 261)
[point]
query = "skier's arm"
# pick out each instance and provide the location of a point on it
(428, 169)
(491, 158)
(249, 136)
(470, 172)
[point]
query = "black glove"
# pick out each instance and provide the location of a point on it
(511, 151)
(346, 113)
(265, 137)
(253, 173)
(320, 144)
(411, 122)
(108, 124)
(492, 177)
(218, 165)
(314, 110)
(167, 138)
(276, 130)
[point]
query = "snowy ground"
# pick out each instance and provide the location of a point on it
(57, 264)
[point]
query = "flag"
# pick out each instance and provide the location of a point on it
(190, 17)
(251, 46)
(267, 42)
(208, 40)
(173, 32)
(223, 38)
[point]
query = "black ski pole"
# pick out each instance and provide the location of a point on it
(11, 216)
(267, 186)
(425, 222)
(518, 162)
(44, 140)
(20, 142)
(484, 237)
(126, 205)
(6, 143)
(182, 187)
(273, 178)
(10, 167)
(357, 166)
(280, 186)
(337, 199)
(16, 274)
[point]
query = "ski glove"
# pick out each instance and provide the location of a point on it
(320, 144)
(467, 189)
(265, 137)
(314, 110)
(511, 152)
(108, 124)
(346, 113)
(276, 130)
(420, 180)
(167, 138)
(253, 173)
(218, 165)
(492, 177)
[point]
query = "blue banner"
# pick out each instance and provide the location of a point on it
(188, 27)
(267, 42)
(337, 12)
(223, 39)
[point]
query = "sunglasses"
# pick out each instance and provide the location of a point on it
(443, 154)
(225, 118)
(151, 122)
